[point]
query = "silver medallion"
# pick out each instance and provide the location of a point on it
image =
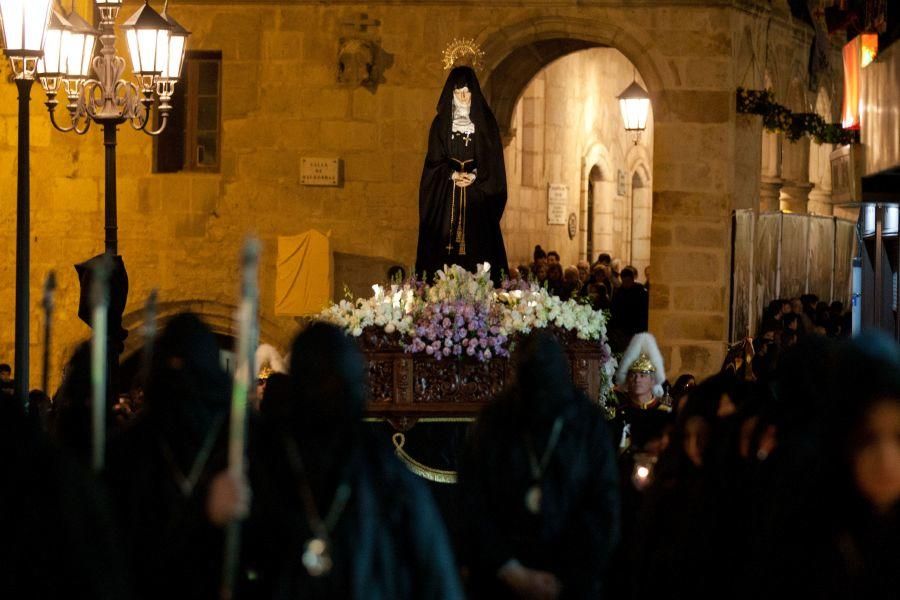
(533, 499)
(316, 558)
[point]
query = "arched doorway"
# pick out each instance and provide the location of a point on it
(565, 133)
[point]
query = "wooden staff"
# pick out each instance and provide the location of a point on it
(242, 391)
(100, 314)
(49, 291)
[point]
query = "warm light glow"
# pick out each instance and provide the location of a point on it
(80, 49)
(868, 49)
(148, 36)
(55, 44)
(24, 26)
(149, 50)
(850, 110)
(172, 69)
(177, 45)
(635, 106)
(643, 472)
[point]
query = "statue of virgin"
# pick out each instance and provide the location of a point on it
(462, 193)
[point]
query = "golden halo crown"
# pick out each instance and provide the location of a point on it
(643, 364)
(462, 51)
(264, 373)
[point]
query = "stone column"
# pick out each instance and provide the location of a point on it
(795, 171)
(795, 197)
(820, 201)
(770, 193)
(770, 173)
(820, 177)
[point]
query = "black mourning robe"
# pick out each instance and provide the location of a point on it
(56, 534)
(440, 205)
(172, 548)
(577, 529)
(388, 543)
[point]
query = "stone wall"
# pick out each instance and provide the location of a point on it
(181, 233)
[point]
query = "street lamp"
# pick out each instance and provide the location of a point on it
(98, 92)
(634, 102)
(24, 31)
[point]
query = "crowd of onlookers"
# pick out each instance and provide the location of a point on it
(770, 482)
(605, 284)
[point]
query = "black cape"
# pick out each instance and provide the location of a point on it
(388, 542)
(486, 197)
(577, 529)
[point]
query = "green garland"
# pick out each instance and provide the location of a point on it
(779, 119)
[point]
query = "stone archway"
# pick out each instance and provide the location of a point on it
(219, 316)
(516, 53)
(690, 200)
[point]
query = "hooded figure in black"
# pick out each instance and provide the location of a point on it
(162, 469)
(56, 534)
(330, 481)
(463, 189)
(539, 485)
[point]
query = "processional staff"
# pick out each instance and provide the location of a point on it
(99, 341)
(49, 291)
(242, 390)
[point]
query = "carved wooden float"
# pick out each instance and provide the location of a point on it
(405, 388)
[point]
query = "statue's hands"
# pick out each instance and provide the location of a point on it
(463, 180)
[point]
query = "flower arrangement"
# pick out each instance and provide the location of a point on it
(462, 314)
(779, 119)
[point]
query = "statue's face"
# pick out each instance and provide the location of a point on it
(463, 96)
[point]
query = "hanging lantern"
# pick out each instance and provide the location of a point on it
(80, 49)
(634, 103)
(177, 46)
(24, 29)
(165, 84)
(148, 42)
(52, 67)
(109, 9)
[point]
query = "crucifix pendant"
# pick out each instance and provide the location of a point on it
(316, 558)
(533, 499)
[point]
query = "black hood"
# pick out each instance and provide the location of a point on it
(187, 383)
(480, 112)
(329, 376)
(543, 378)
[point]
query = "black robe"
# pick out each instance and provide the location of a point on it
(440, 202)
(387, 543)
(56, 534)
(577, 529)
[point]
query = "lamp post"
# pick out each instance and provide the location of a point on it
(634, 102)
(156, 47)
(97, 92)
(24, 30)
